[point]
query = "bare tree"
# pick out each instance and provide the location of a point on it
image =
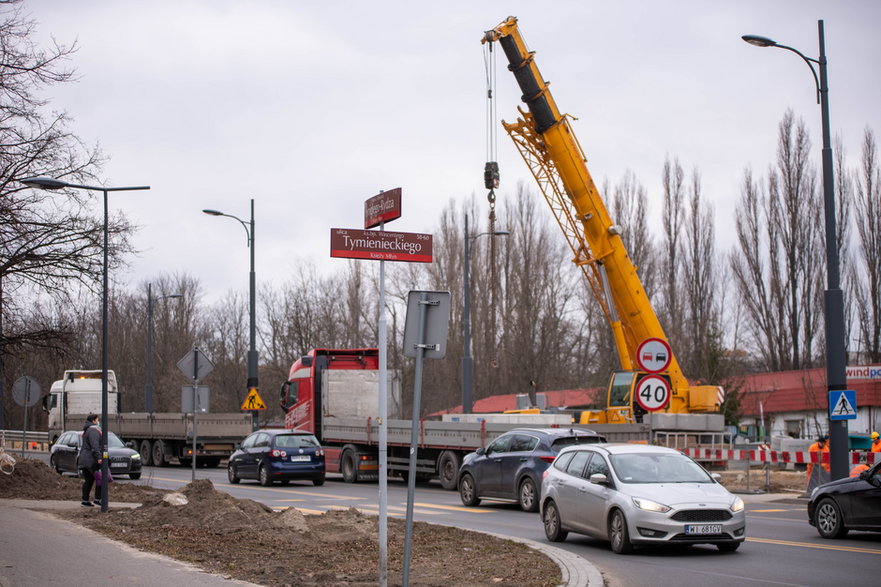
(777, 269)
(868, 224)
(47, 241)
(670, 264)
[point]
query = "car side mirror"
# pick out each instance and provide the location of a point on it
(716, 477)
(481, 451)
(599, 479)
(130, 444)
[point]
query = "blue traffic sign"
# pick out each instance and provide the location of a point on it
(843, 404)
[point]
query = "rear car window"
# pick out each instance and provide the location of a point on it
(570, 440)
(296, 441)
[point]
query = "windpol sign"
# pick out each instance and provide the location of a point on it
(351, 243)
(864, 372)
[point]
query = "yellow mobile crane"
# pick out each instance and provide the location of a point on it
(547, 143)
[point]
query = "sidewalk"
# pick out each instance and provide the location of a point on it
(37, 548)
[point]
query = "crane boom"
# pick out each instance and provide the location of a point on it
(545, 139)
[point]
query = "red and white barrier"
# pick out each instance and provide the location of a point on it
(775, 456)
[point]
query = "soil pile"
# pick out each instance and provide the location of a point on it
(33, 479)
(246, 540)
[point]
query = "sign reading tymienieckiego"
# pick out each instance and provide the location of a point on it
(351, 243)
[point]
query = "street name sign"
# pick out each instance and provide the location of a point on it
(377, 245)
(384, 207)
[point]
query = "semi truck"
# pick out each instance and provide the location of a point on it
(158, 437)
(334, 394)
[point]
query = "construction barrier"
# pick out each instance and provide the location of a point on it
(775, 456)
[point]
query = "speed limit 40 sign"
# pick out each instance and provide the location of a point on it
(653, 393)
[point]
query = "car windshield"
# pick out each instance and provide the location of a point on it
(295, 441)
(113, 441)
(658, 468)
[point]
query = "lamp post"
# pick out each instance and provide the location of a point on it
(148, 388)
(48, 183)
(252, 349)
(836, 378)
(467, 361)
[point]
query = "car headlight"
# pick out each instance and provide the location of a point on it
(136, 456)
(736, 505)
(649, 505)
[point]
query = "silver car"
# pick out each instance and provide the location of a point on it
(632, 494)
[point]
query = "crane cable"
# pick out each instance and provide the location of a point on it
(491, 182)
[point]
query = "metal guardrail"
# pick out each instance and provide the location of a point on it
(32, 441)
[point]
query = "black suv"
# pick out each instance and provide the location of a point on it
(511, 467)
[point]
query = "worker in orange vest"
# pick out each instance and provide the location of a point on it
(820, 446)
(855, 472)
(876, 442)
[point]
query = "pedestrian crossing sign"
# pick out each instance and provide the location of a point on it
(253, 401)
(843, 404)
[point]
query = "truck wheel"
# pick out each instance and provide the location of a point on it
(349, 466)
(263, 476)
(159, 453)
(146, 453)
(468, 491)
(448, 469)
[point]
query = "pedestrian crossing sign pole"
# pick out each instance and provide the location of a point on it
(843, 404)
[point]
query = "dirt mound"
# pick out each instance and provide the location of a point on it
(34, 479)
(247, 540)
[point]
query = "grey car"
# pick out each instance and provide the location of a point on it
(636, 495)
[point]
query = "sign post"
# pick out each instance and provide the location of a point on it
(425, 336)
(26, 392)
(195, 366)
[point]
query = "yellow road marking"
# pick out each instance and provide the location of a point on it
(819, 546)
(454, 508)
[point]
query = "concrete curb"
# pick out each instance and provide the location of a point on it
(577, 571)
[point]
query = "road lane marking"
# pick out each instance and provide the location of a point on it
(454, 508)
(819, 546)
(768, 511)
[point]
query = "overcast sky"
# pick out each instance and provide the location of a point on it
(310, 108)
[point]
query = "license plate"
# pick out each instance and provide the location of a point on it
(703, 529)
(300, 458)
(118, 466)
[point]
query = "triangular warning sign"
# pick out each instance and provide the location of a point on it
(253, 401)
(842, 406)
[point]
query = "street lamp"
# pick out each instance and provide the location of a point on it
(836, 378)
(252, 349)
(148, 388)
(48, 183)
(467, 361)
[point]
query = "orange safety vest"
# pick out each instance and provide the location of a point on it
(855, 472)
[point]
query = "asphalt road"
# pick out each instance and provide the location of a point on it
(781, 547)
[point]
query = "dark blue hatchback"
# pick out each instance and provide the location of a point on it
(511, 467)
(278, 455)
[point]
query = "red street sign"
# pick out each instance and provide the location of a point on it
(384, 207)
(352, 243)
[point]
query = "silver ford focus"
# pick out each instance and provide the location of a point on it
(634, 495)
